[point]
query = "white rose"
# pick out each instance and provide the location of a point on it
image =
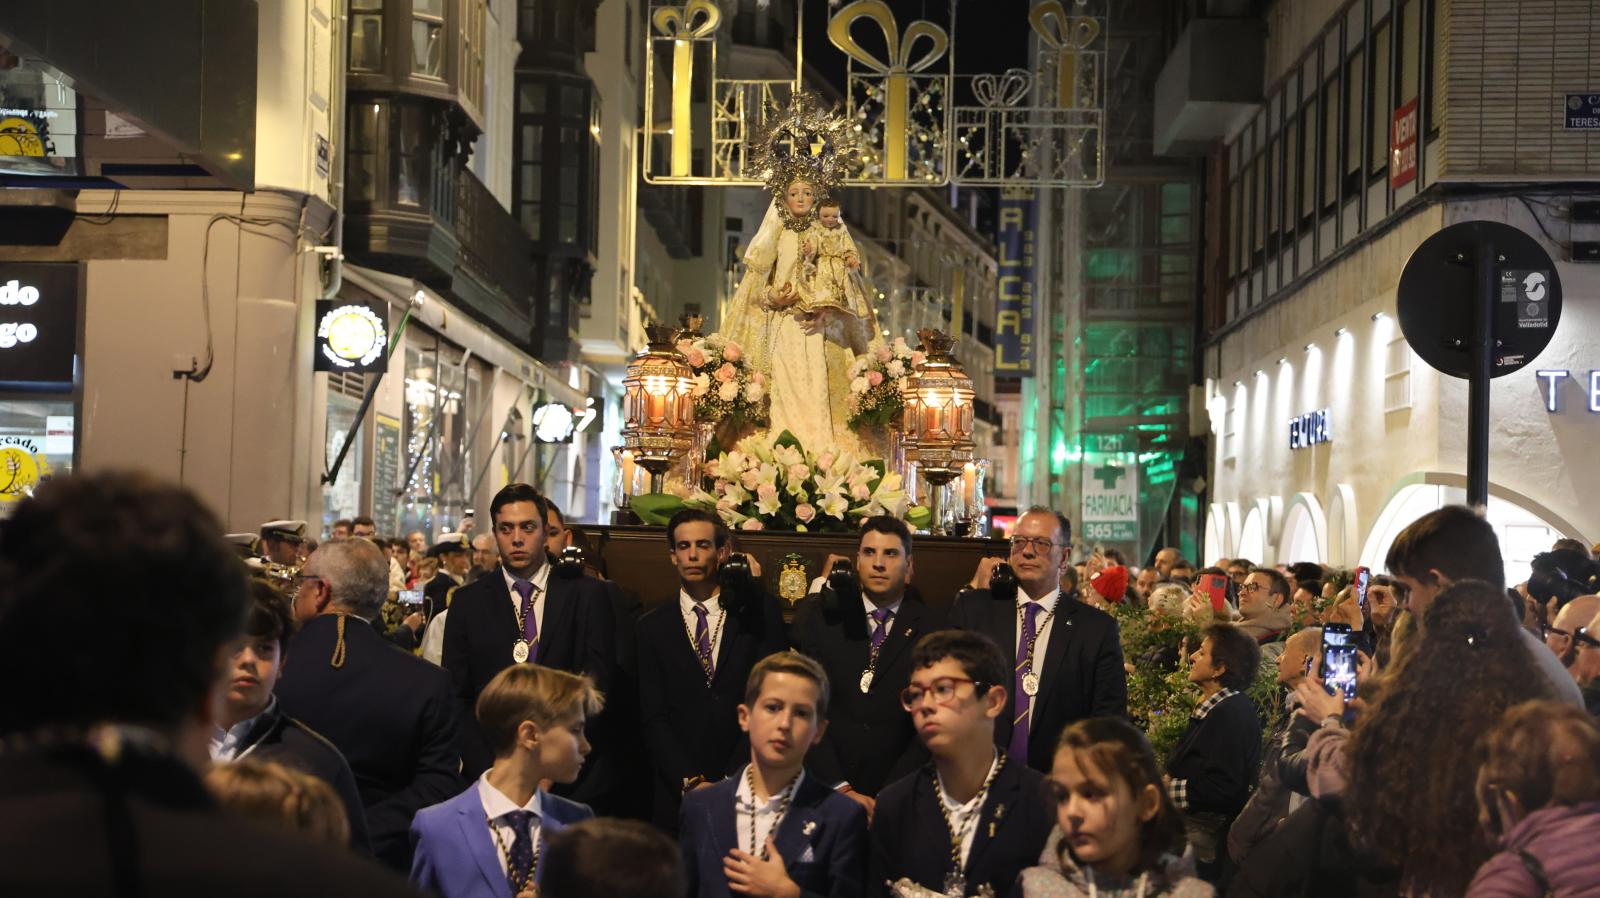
(897, 368)
(702, 385)
(753, 392)
(728, 391)
(859, 385)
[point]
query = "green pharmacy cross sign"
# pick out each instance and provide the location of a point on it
(1110, 500)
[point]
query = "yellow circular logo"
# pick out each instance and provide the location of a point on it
(352, 335)
(19, 137)
(22, 468)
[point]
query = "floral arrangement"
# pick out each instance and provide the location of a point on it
(773, 483)
(876, 380)
(725, 386)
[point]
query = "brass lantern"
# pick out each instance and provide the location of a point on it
(937, 422)
(658, 406)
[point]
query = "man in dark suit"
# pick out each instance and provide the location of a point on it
(863, 640)
(695, 651)
(974, 817)
(455, 558)
(1067, 656)
(99, 786)
(392, 714)
(523, 613)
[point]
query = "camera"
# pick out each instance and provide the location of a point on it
(844, 590)
(569, 564)
(1003, 583)
(736, 579)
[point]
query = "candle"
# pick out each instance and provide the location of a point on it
(627, 473)
(969, 484)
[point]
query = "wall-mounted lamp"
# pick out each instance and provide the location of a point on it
(1283, 360)
(1379, 316)
(1310, 346)
(1342, 332)
(1260, 373)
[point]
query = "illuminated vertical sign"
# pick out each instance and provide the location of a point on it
(1014, 315)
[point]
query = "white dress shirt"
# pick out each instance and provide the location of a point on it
(716, 616)
(540, 581)
(963, 817)
(496, 805)
(766, 815)
(433, 638)
(1048, 604)
(225, 744)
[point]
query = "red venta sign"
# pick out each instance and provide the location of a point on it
(1403, 146)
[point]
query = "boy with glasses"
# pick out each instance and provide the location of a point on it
(1065, 656)
(974, 818)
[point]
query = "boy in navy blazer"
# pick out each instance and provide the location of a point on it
(486, 842)
(771, 831)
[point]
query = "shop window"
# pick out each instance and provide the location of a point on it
(427, 38)
(38, 444)
(366, 35)
(342, 498)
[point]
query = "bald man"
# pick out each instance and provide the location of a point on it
(1558, 636)
(1282, 783)
(1165, 559)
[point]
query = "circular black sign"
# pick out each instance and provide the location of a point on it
(1439, 288)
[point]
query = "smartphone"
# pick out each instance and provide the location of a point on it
(1216, 587)
(1338, 659)
(410, 597)
(1363, 579)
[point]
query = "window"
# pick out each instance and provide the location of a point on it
(1308, 161)
(627, 37)
(1410, 49)
(1291, 174)
(365, 120)
(411, 188)
(1235, 227)
(1274, 197)
(474, 14)
(1397, 374)
(427, 38)
(1354, 76)
(366, 35)
(1382, 99)
(1330, 143)
(1258, 220)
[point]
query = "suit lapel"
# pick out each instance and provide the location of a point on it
(480, 844)
(904, 629)
(1055, 651)
(720, 817)
(558, 605)
(1000, 803)
(799, 825)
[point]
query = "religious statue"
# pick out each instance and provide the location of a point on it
(795, 311)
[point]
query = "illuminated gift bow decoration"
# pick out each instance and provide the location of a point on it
(694, 21)
(1069, 37)
(897, 69)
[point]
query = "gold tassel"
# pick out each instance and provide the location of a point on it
(337, 661)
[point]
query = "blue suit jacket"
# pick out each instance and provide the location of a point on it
(822, 840)
(454, 854)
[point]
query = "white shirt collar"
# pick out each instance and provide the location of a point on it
(225, 742)
(686, 602)
(497, 805)
(744, 799)
(540, 578)
(894, 607)
(1048, 602)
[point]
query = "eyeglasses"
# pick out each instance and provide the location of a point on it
(1585, 638)
(1547, 630)
(1040, 544)
(943, 691)
(1247, 588)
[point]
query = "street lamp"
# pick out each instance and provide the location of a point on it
(937, 421)
(658, 406)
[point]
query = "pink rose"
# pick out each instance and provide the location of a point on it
(750, 479)
(885, 354)
(752, 524)
(860, 491)
(805, 511)
(875, 378)
(826, 460)
(726, 372)
(695, 357)
(732, 352)
(766, 491)
(799, 472)
(758, 377)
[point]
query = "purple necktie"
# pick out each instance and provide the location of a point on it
(702, 641)
(880, 632)
(530, 622)
(1019, 725)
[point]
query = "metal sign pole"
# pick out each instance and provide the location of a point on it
(1488, 278)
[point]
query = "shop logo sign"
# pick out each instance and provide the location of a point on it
(22, 468)
(350, 337)
(1553, 377)
(1310, 429)
(16, 293)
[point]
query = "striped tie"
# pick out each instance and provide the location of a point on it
(1019, 725)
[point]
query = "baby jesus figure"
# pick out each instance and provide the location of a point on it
(837, 301)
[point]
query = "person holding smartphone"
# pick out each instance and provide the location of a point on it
(1264, 605)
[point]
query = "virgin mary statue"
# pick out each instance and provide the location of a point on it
(806, 347)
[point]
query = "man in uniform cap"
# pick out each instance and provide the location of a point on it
(280, 541)
(455, 557)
